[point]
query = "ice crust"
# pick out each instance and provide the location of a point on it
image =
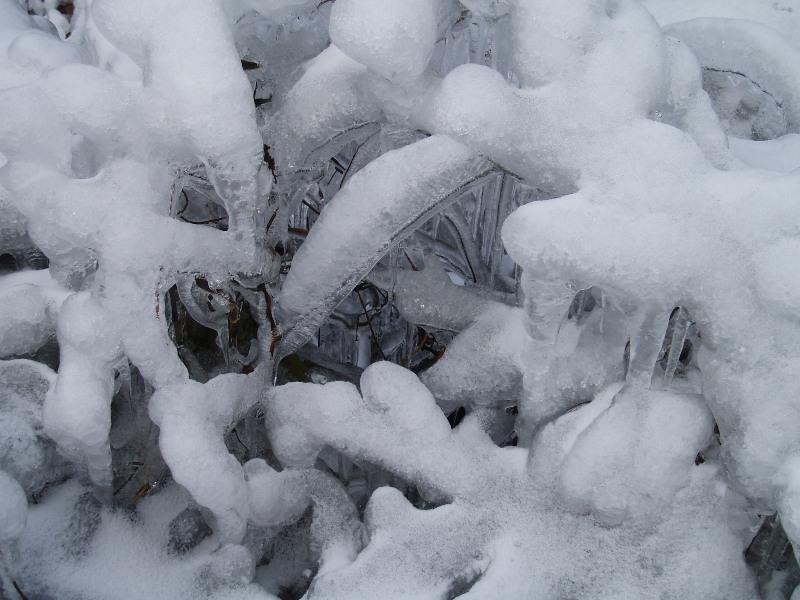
(26, 453)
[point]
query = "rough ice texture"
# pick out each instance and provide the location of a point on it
(194, 419)
(26, 453)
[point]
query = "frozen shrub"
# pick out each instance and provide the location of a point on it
(399, 299)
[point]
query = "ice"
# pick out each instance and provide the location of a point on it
(127, 555)
(29, 306)
(26, 453)
(114, 133)
(308, 121)
(374, 211)
(193, 419)
(480, 367)
(755, 50)
(281, 498)
(269, 7)
(503, 522)
(13, 508)
(229, 144)
(393, 39)
(781, 154)
(430, 298)
(781, 16)
(395, 412)
(548, 38)
(636, 455)
(13, 22)
(488, 8)
(657, 282)
(77, 412)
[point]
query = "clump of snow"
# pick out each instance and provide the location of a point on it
(29, 305)
(393, 39)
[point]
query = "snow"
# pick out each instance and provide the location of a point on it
(29, 305)
(62, 530)
(393, 39)
(25, 452)
(13, 508)
(193, 419)
(651, 347)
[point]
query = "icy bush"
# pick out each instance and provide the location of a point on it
(399, 299)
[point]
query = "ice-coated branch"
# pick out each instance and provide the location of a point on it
(193, 419)
(394, 423)
(377, 208)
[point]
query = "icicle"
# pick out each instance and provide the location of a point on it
(547, 302)
(648, 328)
(680, 331)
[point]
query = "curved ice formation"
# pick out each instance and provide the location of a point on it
(751, 49)
(194, 419)
(376, 209)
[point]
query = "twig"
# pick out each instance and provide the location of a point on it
(369, 324)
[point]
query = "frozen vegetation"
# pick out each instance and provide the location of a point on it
(422, 299)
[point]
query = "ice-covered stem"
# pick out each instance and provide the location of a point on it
(281, 498)
(648, 328)
(547, 300)
(483, 366)
(394, 423)
(193, 419)
(378, 207)
(77, 409)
